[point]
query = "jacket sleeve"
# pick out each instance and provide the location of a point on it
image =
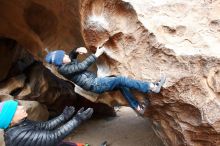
(55, 122)
(68, 69)
(56, 136)
(32, 136)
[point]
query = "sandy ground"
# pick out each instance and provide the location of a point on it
(127, 129)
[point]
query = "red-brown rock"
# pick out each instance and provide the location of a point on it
(143, 40)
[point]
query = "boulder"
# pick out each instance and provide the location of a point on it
(143, 39)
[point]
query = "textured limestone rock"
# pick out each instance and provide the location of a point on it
(143, 39)
(39, 24)
(177, 38)
(26, 29)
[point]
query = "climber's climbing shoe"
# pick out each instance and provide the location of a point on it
(140, 110)
(159, 84)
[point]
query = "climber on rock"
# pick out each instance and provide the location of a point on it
(69, 67)
(19, 131)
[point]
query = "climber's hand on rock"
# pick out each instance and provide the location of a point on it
(81, 50)
(84, 114)
(99, 51)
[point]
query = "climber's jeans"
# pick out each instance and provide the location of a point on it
(104, 84)
(132, 101)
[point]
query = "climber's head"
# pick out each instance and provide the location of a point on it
(11, 113)
(56, 57)
(59, 57)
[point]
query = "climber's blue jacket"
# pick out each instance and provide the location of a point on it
(77, 71)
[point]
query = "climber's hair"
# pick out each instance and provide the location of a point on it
(73, 54)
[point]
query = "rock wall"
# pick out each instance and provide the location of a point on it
(39, 24)
(29, 29)
(143, 39)
(179, 39)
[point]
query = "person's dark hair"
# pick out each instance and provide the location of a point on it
(73, 54)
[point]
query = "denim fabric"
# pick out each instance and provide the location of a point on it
(110, 83)
(124, 84)
(129, 97)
